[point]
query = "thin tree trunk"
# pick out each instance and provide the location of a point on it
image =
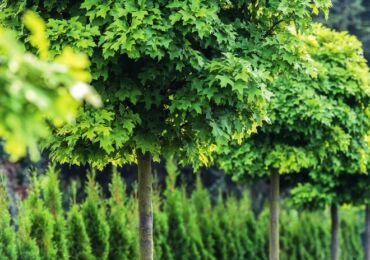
(334, 247)
(274, 216)
(367, 232)
(144, 162)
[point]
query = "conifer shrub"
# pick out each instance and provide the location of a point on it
(79, 247)
(161, 230)
(184, 237)
(78, 240)
(162, 249)
(8, 249)
(94, 215)
(317, 227)
(200, 199)
(122, 229)
(41, 221)
(53, 201)
(249, 229)
(350, 241)
(260, 236)
(193, 234)
(27, 248)
(177, 237)
(42, 231)
(186, 226)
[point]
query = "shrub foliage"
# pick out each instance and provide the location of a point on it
(187, 226)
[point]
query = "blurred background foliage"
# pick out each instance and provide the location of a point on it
(38, 92)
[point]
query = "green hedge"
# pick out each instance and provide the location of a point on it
(185, 227)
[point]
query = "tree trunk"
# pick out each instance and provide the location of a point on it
(334, 248)
(274, 216)
(367, 232)
(144, 162)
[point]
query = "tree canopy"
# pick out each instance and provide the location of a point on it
(184, 76)
(318, 119)
(352, 16)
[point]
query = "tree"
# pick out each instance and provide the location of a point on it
(317, 119)
(334, 190)
(351, 16)
(36, 91)
(175, 76)
(349, 158)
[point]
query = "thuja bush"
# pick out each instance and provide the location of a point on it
(26, 245)
(351, 225)
(79, 243)
(53, 201)
(93, 211)
(187, 226)
(8, 249)
(305, 236)
(121, 221)
(41, 221)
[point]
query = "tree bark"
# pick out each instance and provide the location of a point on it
(144, 162)
(274, 216)
(367, 232)
(334, 247)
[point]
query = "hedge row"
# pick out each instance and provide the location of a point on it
(185, 227)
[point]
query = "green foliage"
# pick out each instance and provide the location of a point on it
(314, 244)
(350, 226)
(51, 192)
(224, 229)
(306, 235)
(178, 238)
(42, 231)
(351, 16)
(78, 240)
(28, 250)
(60, 238)
(53, 201)
(343, 155)
(8, 249)
(93, 212)
(37, 91)
(184, 76)
(122, 239)
(27, 247)
(41, 222)
(232, 248)
(202, 210)
(162, 249)
(319, 118)
(184, 239)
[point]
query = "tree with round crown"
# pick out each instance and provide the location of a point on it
(318, 119)
(348, 184)
(183, 77)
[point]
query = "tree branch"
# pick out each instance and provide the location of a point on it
(272, 28)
